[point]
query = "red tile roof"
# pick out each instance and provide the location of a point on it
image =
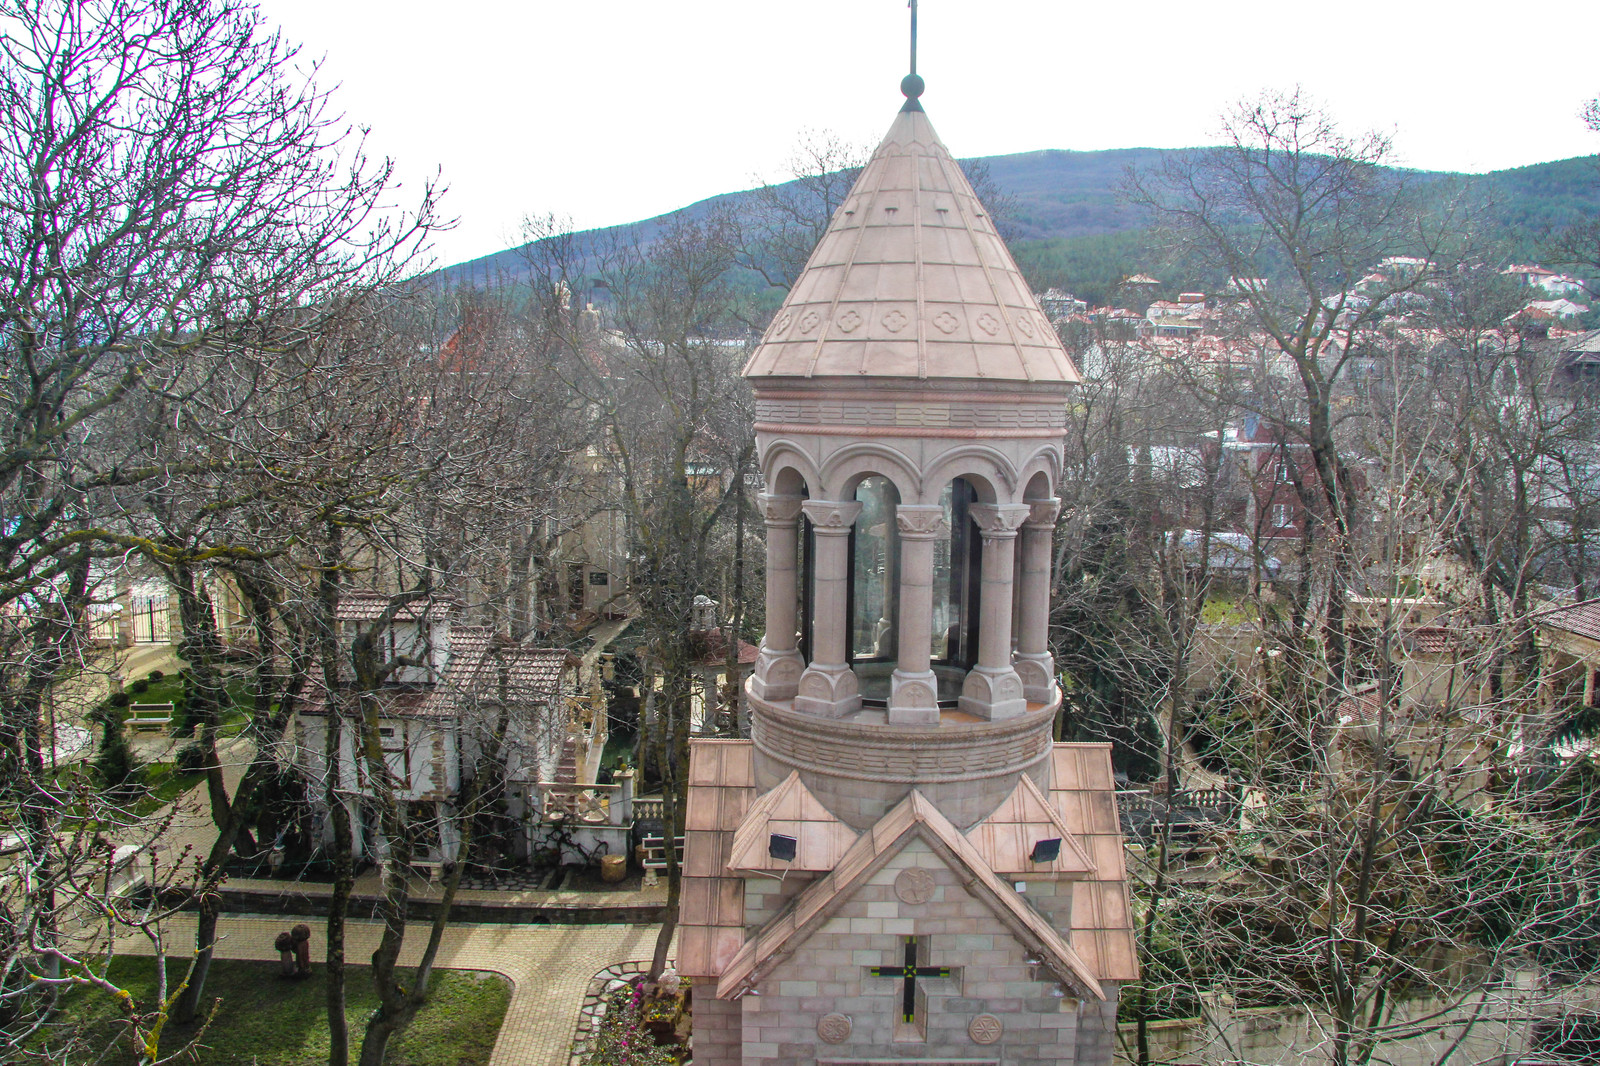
(1582, 619)
(363, 605)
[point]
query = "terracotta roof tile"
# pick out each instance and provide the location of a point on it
(1581, 619)
(790, 809)
(1006, 838)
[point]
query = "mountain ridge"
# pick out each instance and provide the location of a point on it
(1060, 196)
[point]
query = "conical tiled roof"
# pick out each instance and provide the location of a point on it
(911, 281)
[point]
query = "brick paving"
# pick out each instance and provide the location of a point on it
(549, 966)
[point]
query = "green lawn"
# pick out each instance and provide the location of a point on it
(267, 1020)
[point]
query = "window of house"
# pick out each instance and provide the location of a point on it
(1282, 516)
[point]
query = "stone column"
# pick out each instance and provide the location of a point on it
(992, 689)
(777, 671)
(1034, 664)
(828, 686)
(913, 690)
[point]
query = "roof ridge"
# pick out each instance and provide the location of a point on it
(785, 931)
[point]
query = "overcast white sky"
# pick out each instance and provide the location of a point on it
(613, 112)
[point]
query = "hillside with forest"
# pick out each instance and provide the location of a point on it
(1071, 227)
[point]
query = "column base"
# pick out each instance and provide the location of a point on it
(777, 674)
(993, 693)
(913, 698)
(1038, 674)
(828, 691)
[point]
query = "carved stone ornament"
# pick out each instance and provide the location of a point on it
(999, 518)
(827, 515)
(778, 510)
(988, 323)
(1025, 326)
(946, 322)
(914, 885)
(808, 321)
(985, 1029)
(915, 521)
(1042, 514)
(834, 1028)
(848, 322)
(895, 321)
(780, 326)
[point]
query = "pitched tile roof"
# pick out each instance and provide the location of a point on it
(711, 908)
(485, 667)
(364, 605)
(1006, 838)
(1582, 619)
(911, 280)
(1083, 791)
(914, 816)
(821, 839)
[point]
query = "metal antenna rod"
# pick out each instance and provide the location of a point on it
(913, 6)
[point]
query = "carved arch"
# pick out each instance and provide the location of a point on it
(842, 470)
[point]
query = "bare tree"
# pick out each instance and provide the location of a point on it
(173, 190)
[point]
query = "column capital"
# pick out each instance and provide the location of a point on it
(917, 521)
(833, 517)
(779, 510)
(1042, 514)
(999, 520)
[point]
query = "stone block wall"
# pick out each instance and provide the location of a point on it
(828, 975)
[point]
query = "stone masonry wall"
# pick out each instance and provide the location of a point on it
(827, 974)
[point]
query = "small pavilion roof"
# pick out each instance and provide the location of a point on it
(911, 281)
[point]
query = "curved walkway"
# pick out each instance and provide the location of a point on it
(549, 966)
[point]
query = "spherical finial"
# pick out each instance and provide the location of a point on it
(912, 85)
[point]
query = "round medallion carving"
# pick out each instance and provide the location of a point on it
(850, 320)
(988, 323)
(1025, 325)
(895, 321)
(946, 322)
(834, 1028)
(985, 1029)
(915, 885)
(782, 324)
(808, 321)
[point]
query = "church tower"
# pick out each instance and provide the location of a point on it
(900, 865)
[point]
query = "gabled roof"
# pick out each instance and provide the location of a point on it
(364, 605)
(821, 839)
(1581, 619)
(911, 281)
(914, 817)
(1006, 838)
(483, 668)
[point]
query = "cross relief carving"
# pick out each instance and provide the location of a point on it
(911, 1022)
(925, 522)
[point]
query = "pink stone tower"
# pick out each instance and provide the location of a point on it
(900, 861)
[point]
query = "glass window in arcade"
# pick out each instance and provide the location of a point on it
(872, 610)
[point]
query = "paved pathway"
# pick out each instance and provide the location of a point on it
(549, 967)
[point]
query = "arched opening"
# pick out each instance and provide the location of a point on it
(957, 585)
(874, 605)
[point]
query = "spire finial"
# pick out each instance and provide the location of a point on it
(912, 84)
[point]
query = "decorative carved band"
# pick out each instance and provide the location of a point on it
(779, 510)
(999, 519)
(1043, 513)
(924, 415)
(920, 521)
(831, 516)
(900, 755)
